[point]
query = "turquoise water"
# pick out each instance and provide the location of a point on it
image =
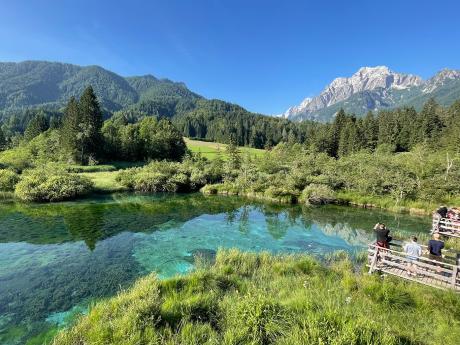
(57, 258)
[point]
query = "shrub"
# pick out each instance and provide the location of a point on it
(165, 177)
(44, 185)
(318, 194)
(19, 158)
(8, 180)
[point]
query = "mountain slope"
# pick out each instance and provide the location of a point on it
(51, 84)
(376, 88)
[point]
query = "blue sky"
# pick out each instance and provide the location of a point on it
(264, 55)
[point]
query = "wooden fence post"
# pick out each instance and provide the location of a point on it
(374, 260)
(455, 271)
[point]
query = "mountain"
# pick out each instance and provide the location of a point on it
(32, 84)
(376, 88)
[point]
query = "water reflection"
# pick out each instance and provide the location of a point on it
(54, 257)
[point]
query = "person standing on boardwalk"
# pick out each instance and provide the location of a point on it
(435, 247)
(382, 234)
(413, 251)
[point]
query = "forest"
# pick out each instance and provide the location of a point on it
(394, 159)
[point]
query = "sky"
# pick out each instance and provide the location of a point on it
(264, 55)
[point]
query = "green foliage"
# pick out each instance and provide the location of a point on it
(318, 194)
(42, 149)
(82, 123)
(36, 126)
(70, 125)
(51, 184)
(41, 83)
(247, 298)
(219, 121)
(291, 172)
(8, 180)
(3, 142)
(149, 139)
(165, 176)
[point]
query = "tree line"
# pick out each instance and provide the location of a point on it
(85, 138)
(86, 134)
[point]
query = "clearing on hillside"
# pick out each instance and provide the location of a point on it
(211, 149)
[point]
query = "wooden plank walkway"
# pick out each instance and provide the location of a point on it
(446, 227)
(441, 275)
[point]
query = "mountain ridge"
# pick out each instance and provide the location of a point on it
(376, 88)
(34, 83)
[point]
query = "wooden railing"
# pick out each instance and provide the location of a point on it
(446, 226)
(440, 274)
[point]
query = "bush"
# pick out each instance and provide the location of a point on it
(166, 177)
(318, 194)
(44, 185)
(8, 180)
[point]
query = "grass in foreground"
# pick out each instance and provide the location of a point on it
(263, 299)
(211, 150)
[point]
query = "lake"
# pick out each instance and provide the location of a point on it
(55, 259)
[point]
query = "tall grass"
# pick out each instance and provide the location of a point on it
(246, 298)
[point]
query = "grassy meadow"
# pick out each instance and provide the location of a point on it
(211, 150)
(104, 176)
(245, 298)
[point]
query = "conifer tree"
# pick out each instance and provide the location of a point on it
(429, 122)
(70, 127)
(388, 128)
(2, 140)
(336, 130)
(91, 122)
(349, 140)
(370, 131)
(36, 126)
(234, 156)
(451, 135)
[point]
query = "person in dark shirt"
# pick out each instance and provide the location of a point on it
(435, 247)
(442, 211)
(382, 235)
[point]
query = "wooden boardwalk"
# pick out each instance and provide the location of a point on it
(438, 274)
(446, 227)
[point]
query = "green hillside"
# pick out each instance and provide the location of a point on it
(51, 84)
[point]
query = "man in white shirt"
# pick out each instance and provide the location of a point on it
(413, 251)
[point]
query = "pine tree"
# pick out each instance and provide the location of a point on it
(451, 136)
(429, 122)
(388, 129)
(70, 128)
(349, 141)
(234, 156)
(3, 142)
(370, 131)
(91, 123)
(339, 123)
(36, 126)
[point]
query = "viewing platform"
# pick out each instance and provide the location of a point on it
(446, 227)
(443, 274)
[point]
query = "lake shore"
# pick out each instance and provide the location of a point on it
(268, 299)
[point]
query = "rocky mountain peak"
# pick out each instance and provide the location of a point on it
(440, 79)
(365, 79)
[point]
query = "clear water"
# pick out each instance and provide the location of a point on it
(56, 258)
